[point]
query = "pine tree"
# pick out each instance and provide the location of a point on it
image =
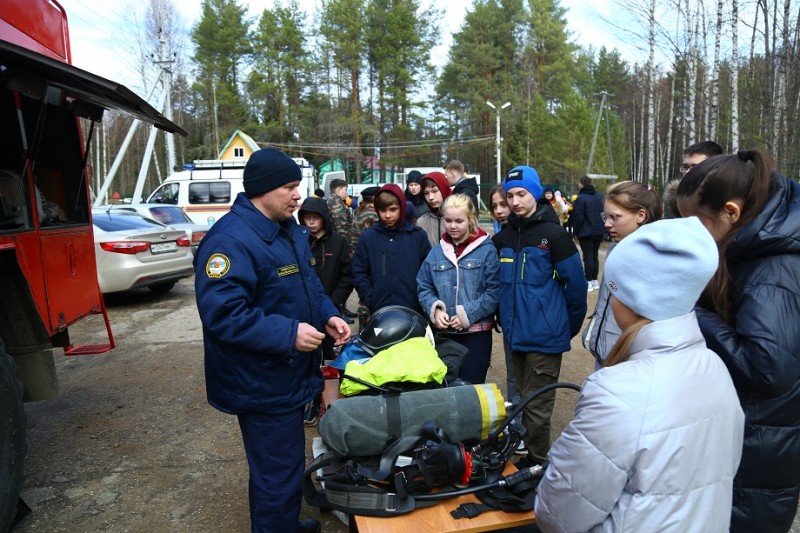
(221, 40)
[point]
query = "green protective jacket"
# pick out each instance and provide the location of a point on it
(414, 361)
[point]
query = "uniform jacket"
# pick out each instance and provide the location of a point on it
(654, 444)
(467, 286)
(386, 262)
(254, 284)
(341, 214)
(587, 213)
(364, 219)
(762, 353)
(542, 286)
(603, 331)
(331, 255)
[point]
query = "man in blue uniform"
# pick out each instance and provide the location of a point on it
(264, 311)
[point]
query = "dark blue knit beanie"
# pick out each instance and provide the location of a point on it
(268, 169)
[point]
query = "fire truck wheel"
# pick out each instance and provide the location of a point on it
(162, 288)
(13, 447)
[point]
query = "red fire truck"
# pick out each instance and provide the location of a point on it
(48, 277)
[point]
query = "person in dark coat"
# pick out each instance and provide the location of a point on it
(331, 257)
(749, 316)
(389, 254)
(413, 193)
(587, 220)
(461, 184)
(264, 314)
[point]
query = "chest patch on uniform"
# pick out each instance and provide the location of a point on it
(287, 270)
(544, 244)
(312, 261)
(217, 266)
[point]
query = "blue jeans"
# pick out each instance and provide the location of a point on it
(275, 448)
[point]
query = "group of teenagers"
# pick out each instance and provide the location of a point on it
(689, 421)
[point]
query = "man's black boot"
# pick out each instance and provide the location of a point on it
(310, 525)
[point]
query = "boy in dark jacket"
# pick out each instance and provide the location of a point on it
(389, 254)
(331, 256)
(587, 219)
(332, 262)
(542, 300)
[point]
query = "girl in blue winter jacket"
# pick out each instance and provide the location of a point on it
(458, 285)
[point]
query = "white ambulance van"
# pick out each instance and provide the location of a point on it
(206, 188)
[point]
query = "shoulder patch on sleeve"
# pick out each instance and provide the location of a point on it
(217, 266)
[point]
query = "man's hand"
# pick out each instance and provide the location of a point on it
(308, 338)
(338, 330)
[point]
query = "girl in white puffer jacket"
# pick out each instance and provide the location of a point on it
(657, 434)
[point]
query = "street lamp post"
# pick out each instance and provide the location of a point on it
(497, 139)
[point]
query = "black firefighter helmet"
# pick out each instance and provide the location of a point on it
(391, 325)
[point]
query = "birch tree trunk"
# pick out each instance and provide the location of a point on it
(650, 90)
(715, 76)
(768, 92)
(670, 134)
(781, 87)
(735, 76)
(691, 89)
(702, 61)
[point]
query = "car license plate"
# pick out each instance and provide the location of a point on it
(163, 247)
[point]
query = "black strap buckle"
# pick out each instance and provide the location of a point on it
(468, 510)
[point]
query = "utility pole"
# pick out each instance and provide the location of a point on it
(497, 139)
(164, 79)
(603, 108)
(164, 106)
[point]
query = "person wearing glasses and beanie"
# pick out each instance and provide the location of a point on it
(265, 314)
(657, 433)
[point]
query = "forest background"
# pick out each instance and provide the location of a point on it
(353, 79)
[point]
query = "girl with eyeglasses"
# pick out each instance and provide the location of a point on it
(628, 206)
(749, 315)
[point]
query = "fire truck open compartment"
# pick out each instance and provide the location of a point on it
(55, 158)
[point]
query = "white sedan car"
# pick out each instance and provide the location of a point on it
(169, 215)
(134, 252)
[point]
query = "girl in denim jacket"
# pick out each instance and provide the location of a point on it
(458, 286)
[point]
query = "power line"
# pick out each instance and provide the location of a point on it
(389, 146)
(395, 155)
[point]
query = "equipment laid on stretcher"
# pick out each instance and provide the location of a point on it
(410, 466)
